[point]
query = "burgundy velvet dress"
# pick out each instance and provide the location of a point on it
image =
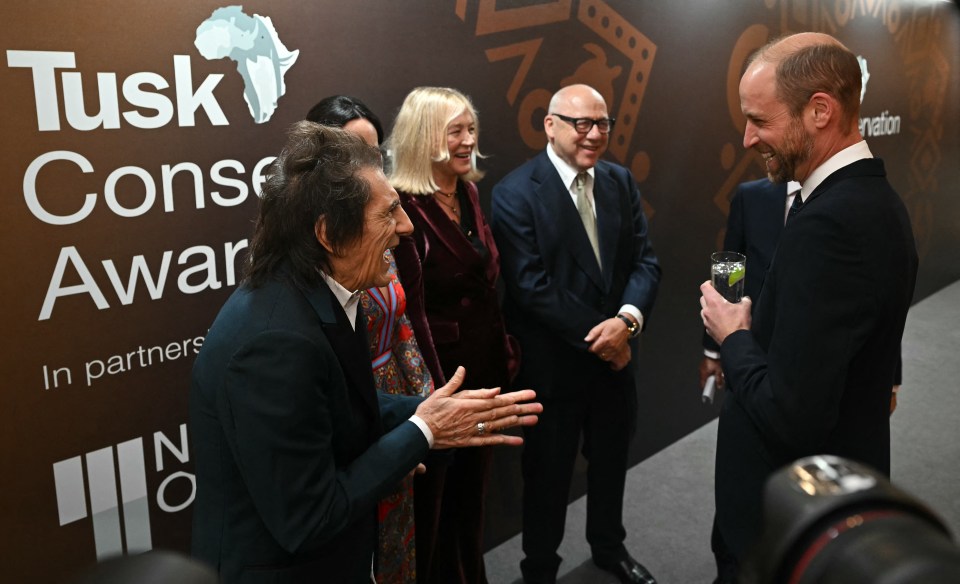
(460, 267)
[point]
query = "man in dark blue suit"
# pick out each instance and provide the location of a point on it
(812, 372)
(292, 443)
(758, 211)
(581, 278)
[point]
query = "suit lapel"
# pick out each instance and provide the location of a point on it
(608, 220)
(350, 346)
(447, 233)
(492, 269)
(556, 197)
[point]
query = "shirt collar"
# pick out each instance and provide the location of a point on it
(567, 173)
(845, 157)
(348, 300)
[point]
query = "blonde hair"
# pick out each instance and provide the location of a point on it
(419, 139)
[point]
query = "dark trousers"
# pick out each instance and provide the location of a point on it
(427, 501)
(450, 524)
(605, 418)
(727, 565)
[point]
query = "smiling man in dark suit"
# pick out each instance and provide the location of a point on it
(292, 443)
(814, 372)
(581, 277)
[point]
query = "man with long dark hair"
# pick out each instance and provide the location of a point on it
(293, 445)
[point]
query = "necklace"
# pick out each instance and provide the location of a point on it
(452, 205)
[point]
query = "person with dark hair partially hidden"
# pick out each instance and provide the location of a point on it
(293, 445)
(812, 371)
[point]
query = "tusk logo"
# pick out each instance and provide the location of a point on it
(864, 76)
(883, 125)
(254, 45)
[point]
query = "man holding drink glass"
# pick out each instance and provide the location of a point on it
(812, 372)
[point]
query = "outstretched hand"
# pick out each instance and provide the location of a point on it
(455, 418)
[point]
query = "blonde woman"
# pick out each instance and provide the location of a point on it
(434, 166)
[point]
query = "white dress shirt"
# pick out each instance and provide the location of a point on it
(568, 176)
(845, 157)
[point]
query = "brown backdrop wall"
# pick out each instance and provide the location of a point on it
(96, 362)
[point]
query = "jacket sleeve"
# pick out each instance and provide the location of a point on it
(527, 281)
(277, 403)
(644, 279)
(411, 277)
(825, 311)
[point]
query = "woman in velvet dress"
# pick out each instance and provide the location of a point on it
(434, 153)
(399, 362)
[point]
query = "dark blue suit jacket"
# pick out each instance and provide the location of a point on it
(555, 290)
(287, 432)
(814, 374)
(754, 224)
(756, 219)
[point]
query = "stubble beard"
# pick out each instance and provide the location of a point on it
(797, 148)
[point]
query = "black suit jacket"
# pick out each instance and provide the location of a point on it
(287, 431)
(757, 211)
(555, 290)
(814, 374)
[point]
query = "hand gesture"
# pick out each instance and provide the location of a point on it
(474, 417)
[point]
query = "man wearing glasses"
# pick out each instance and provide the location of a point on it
(581, 278)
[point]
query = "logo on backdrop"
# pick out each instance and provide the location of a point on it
(147, 100)
(251, 42)
(122, 500)
(618, 65)
(882, 125)
(909, 33)
(254, 45)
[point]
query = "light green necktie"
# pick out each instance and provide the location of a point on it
(586, 213)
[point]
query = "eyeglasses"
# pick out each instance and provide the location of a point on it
(584, 125)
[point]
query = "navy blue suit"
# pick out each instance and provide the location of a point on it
(814, 374)
(555, 293)
(289, 443)
(757, 211)
(754, 226)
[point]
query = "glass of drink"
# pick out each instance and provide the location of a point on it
(727, 272)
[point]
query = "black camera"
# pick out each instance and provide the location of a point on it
(828, 520)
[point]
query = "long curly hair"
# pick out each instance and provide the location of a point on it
(316, 176)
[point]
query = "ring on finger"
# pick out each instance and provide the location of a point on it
(481, 428)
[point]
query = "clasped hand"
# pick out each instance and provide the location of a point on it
(609, 341)
(453, 417)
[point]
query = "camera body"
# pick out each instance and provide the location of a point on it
(828, 520)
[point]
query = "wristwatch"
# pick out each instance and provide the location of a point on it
(633, 329)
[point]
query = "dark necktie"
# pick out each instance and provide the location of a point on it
(796, 206)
